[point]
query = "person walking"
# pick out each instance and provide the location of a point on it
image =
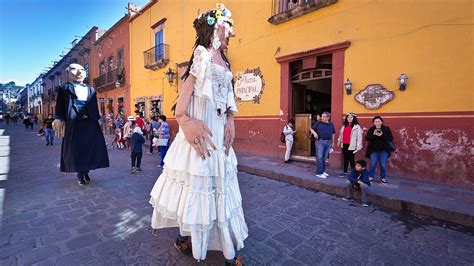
(323, 132)
(136, 153)
(379, 148)
(163, 138)
(48, 127)
(154, 126)
(127, 130)
(350, 140)
(289, 132)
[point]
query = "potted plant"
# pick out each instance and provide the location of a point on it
(120, 74)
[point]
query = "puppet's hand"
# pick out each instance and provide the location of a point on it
(58, 127)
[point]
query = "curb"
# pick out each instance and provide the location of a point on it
(381, 200)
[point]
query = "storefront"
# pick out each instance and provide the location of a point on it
(304, 52)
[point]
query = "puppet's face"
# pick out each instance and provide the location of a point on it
(224, 31)
(76, 73)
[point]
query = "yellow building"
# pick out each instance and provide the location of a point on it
(305, 50)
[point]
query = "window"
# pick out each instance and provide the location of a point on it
(159, 49)
(85, 58)
(110, 63)
(120, 62)
(86, 68)
(102, 68)
(59, 80)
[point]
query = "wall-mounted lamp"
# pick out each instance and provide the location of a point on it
(171, 76)
(348, 86)
(402, 81)
(117, 84)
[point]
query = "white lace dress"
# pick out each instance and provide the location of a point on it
(202, 197)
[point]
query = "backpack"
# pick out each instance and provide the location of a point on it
(282, 137)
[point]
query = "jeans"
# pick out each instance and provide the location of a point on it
(289, 144)
(322, 153)
(163, 151)
(49, 136)
(348, 157)
(375, 157)
(363, 187)
(136, 157)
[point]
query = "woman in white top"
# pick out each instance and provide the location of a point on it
(350, 140)
(198, 190)
(289, 131)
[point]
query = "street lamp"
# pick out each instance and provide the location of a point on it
(402, 81)
(171, 76)
(348, 86)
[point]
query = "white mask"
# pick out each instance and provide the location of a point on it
(76, 73)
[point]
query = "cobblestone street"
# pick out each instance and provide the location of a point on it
(47, 219)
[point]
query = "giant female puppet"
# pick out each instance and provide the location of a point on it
(77, 122)
(198, 190)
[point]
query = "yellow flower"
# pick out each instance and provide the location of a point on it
(218, 14)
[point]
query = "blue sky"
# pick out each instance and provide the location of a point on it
(33, 33)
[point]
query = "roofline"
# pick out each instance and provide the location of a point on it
(123, 19)
(94, 28)
(143, 9)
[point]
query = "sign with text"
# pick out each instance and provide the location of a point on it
(249, 85)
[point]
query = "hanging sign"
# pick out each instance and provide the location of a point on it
(248, 86)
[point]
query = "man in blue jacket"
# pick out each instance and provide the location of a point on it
(358, 179)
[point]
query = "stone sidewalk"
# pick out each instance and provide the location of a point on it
(437, 201)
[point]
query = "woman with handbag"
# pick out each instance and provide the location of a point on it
(350, 140)
(163, 138)
(380, 145)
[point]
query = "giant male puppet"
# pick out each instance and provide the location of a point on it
(77, 122)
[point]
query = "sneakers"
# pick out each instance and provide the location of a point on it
(383, 180)
(342, 174)
(47, 144)
(326, 174)
(371, 178)
(237, 261)
(347, 199)
(321, 176)
(132, 170)
(81, 182)
(365, 204)
(138, 169)
(182, 245)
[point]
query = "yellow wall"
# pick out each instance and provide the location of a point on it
(431, 41)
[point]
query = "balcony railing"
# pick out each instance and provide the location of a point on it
(157, 57)
(284, 10)
(108, 80)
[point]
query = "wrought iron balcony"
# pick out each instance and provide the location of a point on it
(284, 10)
(109, 79)
(157, 57)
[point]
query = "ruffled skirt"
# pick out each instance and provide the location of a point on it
(202, 198)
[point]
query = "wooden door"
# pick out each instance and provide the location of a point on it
(302, 144)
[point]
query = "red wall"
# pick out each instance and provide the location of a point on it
(117, 37)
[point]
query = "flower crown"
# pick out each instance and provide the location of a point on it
(218, 16)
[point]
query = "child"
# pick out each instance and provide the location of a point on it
(358, 179)
(137, 141)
